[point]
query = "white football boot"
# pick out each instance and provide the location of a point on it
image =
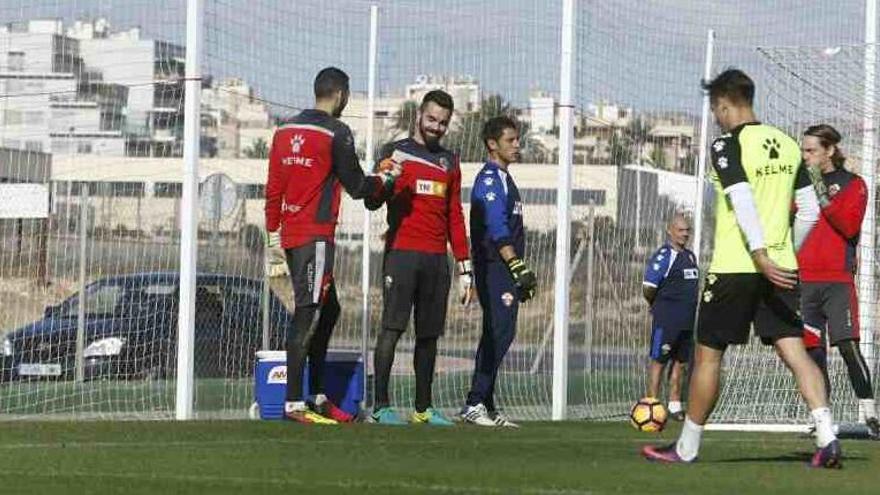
(477, 415)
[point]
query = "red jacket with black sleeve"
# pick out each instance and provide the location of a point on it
(828, 254)
(424, 211)
(312, 158)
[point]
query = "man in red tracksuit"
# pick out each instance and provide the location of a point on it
(827, 263)
(424, 214)
(312, 158)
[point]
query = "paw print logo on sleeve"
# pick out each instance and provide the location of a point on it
(772, 146)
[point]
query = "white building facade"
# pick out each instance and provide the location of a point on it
(465, 91)
(154, 73)
(542, 112)
(233, 119)
(50, 102)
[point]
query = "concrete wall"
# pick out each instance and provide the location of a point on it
(539, 181)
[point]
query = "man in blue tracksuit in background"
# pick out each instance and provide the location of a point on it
(502, 278)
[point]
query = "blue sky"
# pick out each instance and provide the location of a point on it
(645, 53)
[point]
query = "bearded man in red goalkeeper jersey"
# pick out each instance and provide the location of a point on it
(827, 261)
(311, 160)
(424, 216)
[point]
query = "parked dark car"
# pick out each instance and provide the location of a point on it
(131, 329)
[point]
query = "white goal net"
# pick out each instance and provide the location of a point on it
(804, 86)
(91, 171)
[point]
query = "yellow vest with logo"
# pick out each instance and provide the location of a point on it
(770, 159)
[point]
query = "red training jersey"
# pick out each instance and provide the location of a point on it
(828, 254)
(312, 158)
(424, 211)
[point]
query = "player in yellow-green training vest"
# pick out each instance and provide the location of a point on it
(752, 279)
(765, 158)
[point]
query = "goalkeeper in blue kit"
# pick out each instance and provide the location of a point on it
(501, 276)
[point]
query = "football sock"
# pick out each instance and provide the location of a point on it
(674, 406)
(383, 359)
(869, 406)
(320, 399)
(824, 426)
(294, 406)
(688, 445)
(423, 360)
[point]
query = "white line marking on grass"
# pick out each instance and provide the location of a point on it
(372, 441)
(344, 484)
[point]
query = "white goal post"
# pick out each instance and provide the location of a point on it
(94, 120)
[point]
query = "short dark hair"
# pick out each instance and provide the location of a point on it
(732, 84)
(828, 136)
(494, 128)
(440, 97)
(329, 81)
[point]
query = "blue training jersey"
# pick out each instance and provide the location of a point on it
(675, 275)
(496, 214)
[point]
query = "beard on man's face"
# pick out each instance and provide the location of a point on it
(340, 106)
(432, 139)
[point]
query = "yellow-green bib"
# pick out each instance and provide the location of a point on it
(770, 159)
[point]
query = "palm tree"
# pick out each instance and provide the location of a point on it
(638, 133)
(531, 149)
(621, 149)
(259, 149)
(405, 117)
(494, 105)
(465, 138)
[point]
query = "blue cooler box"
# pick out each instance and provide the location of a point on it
(343, 381)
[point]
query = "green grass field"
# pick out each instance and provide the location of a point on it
(274, 457)
(137, 397)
